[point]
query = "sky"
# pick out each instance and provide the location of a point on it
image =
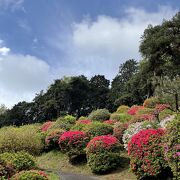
(44, 40)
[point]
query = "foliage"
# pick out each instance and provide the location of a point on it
(172, 146)
(65, 122)
(84, 121)
(6, 170)
(25, 138)
(46, 126)
(122, 109)
(82, 118)
(111, 122)
(135, 128)
(98, 129)
(31, 175)
(73, 143)
(134, 110)
(20, 160)
(99, 115)
(146, 153)
(122, 117)
(168, 91)
(52, 138)
(103, 153)
(119, 129)
(151, 102)
(79, 127)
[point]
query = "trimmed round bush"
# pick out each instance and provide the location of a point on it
(119, 129)
(31, 175)
(142, 117)
(121, 117)
(46, 126)
(146, 153)
(65, 122)
(98, 129)
(52, 138)
(145, 111)
(20, 160)
(151, 102)
(122, 109)
(172, 147)
(73, 143)
(99, 115)
(134, 110)
(135, 128)
(103, 153)
(82, 118)
(24, 138)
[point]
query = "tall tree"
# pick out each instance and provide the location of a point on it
(160, 46)
(99, 95)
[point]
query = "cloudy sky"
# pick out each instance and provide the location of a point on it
(42, 40)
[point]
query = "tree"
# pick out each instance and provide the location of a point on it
(99, 95)
(160, 46)
(119, 91)
(168, 90)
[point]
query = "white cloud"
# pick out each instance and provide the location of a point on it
(4, 51)
(21, 77)
(14, 4)
(100, 46)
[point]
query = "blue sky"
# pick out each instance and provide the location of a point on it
(42, 40)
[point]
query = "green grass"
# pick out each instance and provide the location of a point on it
(53, 176)
(57, 161)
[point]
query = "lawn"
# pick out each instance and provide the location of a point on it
(56, 161)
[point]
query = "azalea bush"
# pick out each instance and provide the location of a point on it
(142, 117)
(135, 128)
(84, 121)
(122, 109)
(122, 117)
(145, 150)
(103, 153)
(31, 175)
(24, 138)
(65, 122)
(99, 115)
(110, 122)
(119, 129)
(151, 102)
(46, 126)
(172, 147)
(98, 129)
(73, 143)
(20, 160)
(52, 138)
(134, 110)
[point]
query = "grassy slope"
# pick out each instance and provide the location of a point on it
(57, 161)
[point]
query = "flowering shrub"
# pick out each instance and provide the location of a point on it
(135, 128)
(142, 117)
(122, 117)
(82, 118)
(52, 138)
(172, 147)
(84, 121)
(111, 122)
(65, 122)
(151, 102)
(31, 175)
(145, 111)
(46, 126)
(99, 115)
(122, 109)
(103, 153)
(98, 129)
(134, 109)
(119, 129)
(161, 107)
(146, 153)
(73, 143)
